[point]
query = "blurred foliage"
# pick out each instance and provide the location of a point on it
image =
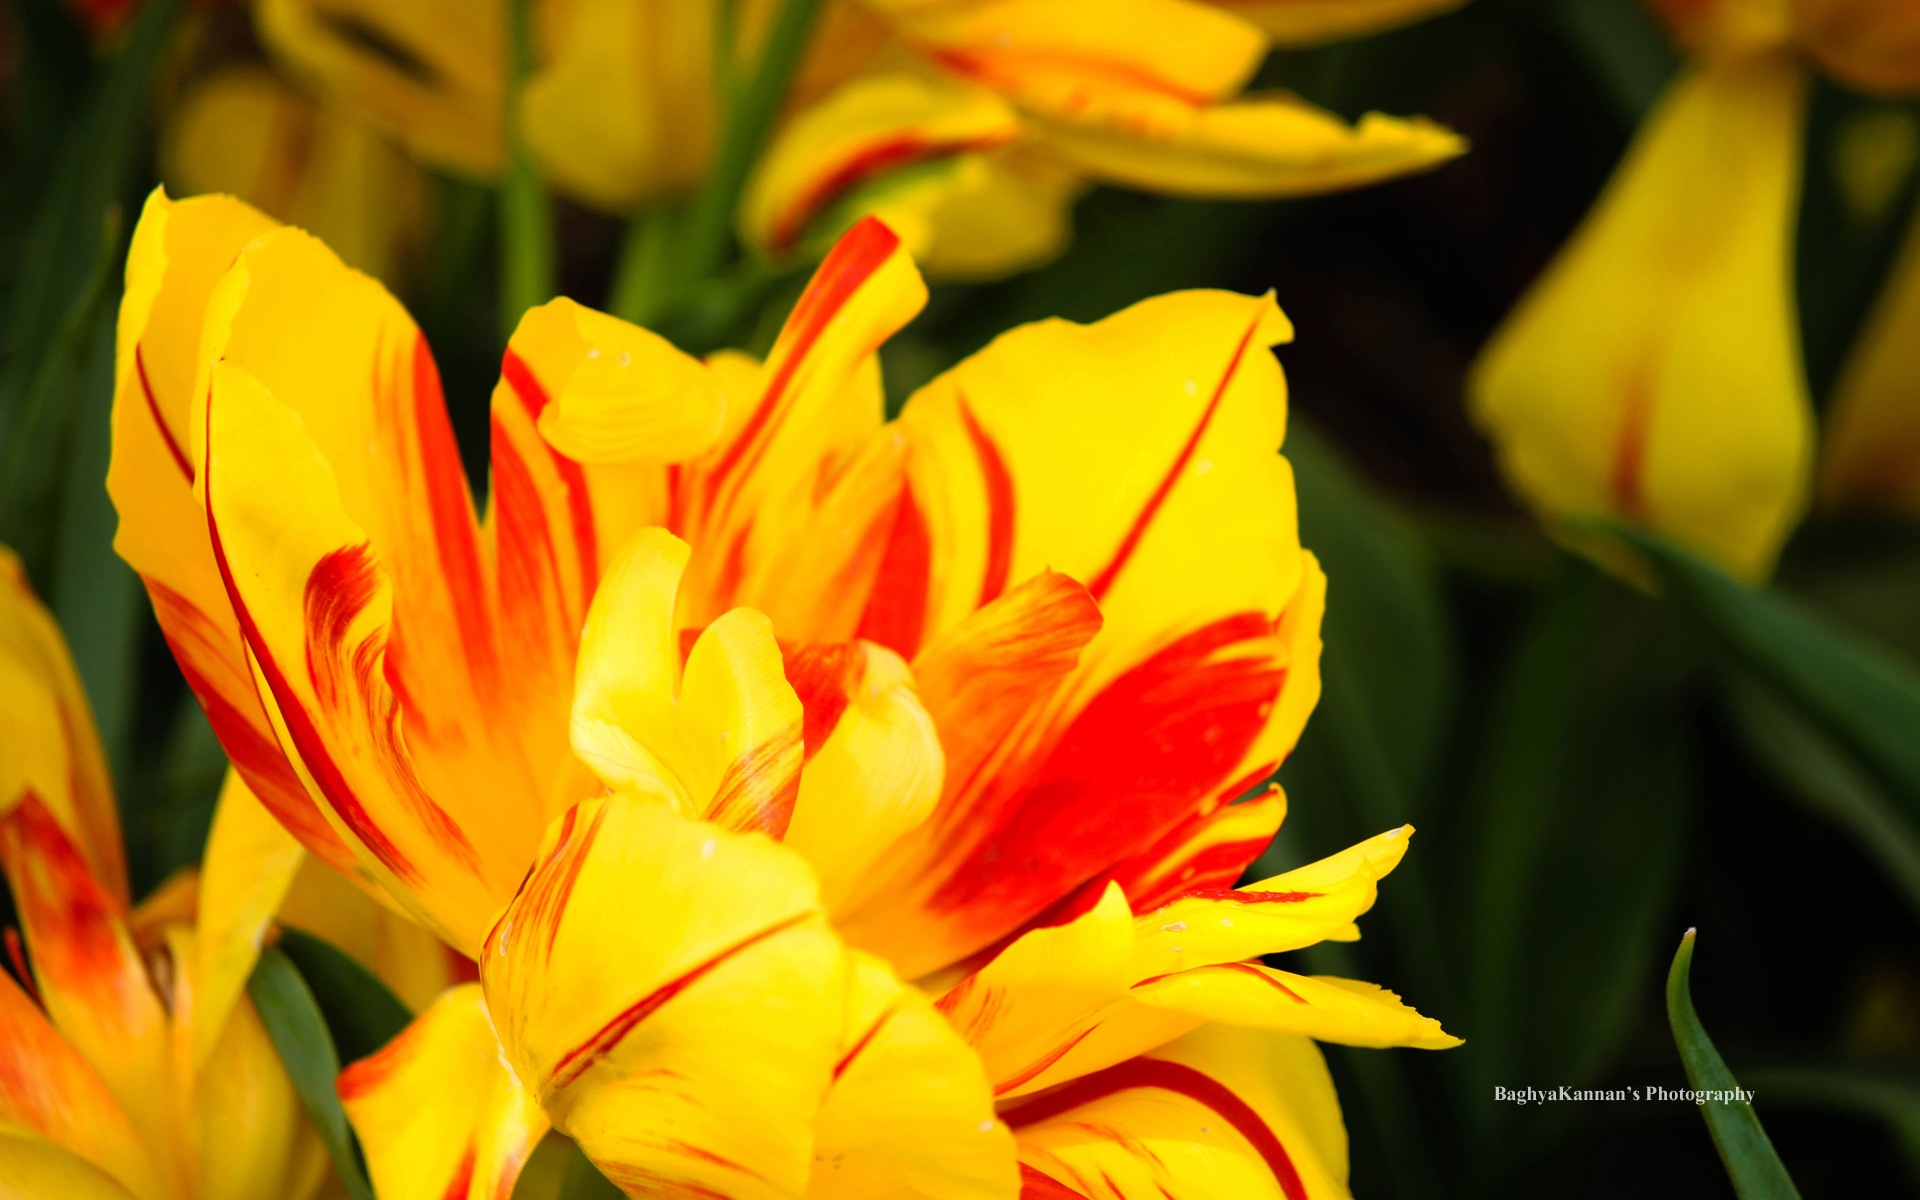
(1592, 766)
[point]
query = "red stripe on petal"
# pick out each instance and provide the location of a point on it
(1270, 981)
(854, 259)
(866, 1039)
(1036, 1184)
(526, 385)
(824, 676)
(160, 422)
(1128, 544)
(1236, 897)
(301, 727)
(896, 611)
(999, 487)
(462, 1179)
(456, 535)
(1032, 1071)
(1157, 744)
(758, 789)
(576, 1061)
(1181, 1080)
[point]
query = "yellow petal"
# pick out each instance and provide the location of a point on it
(48, 1090)
(909, 1115)
(623, 107)
(1051, 55)
(873, 125)
(51, 747)
(250, 1134)
(1311, 22)
(249, 865)
(1873, 45)
(631, 396)
(994, 214)
(31, 1168)
(179, 252)
(1025, 1009)
(1653, 374)
(1872, 452)
(89, 974)
(431, 73)
(1287, 912)
(438, 1112)
(645, 947)
(873, 765)
(1221, 1114)
(721, 742)
(1323, 1008)
(1258, 146)
(1209, 851)
(244, 131)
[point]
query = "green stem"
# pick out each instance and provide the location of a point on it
(643, 280)
(749, 119)
(527, 270)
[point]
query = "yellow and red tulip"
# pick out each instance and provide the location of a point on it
(132, 1065)
(877, 650)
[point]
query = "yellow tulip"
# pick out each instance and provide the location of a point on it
(132, 1065)
(1872, 452)
(1653, 374)
(953, 746)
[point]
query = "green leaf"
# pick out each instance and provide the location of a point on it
(360, 1012)
(1751, 1163)
(583, 1181)
(299, 1033)
(1863, 696)
(528, 274)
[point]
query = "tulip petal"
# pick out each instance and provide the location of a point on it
(1320, 1007)
(438, 1112)
(631, 395)
(410, 959)
(1259, 146)
(1026, 1008)
(1050, 56)
(723, 740)
(431, 73)
(1872, 45)
(48, 1090)
(316, 608)
(909, 1115)
(1872, 451)
(1222, 1114)
(88, 972)
(32, 1168)
(1211, 850)
(618, 111)
(1653, 374)
(179, 253)
(250, 1133)
(249, 866)
(759, 504)
(51, 747)
(874, 124)
(1181, 527)
(873, 765)
(1287, 912)
(672, 993)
